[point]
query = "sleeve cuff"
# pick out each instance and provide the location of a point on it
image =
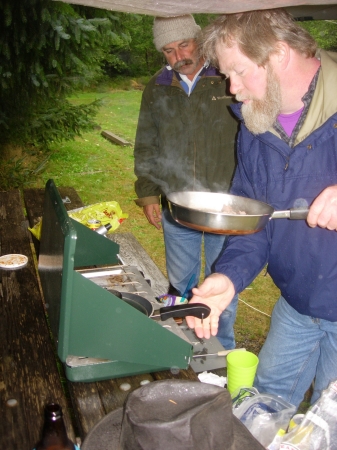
(147, 201)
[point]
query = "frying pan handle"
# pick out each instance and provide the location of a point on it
(292, 213)
(298, 213)
(190, 309)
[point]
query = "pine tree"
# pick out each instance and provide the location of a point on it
(47, 50)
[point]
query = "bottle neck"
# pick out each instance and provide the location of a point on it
(54, 434)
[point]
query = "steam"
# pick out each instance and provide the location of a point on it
(172, 176)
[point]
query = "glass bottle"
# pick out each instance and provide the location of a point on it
(54, 434)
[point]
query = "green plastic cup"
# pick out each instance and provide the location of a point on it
(241, 369)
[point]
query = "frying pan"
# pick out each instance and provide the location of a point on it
(224, 213)
(145, 306)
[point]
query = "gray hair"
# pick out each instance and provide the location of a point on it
(256, 33)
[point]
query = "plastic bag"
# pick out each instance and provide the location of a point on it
(264, 415)
(318, 429)
(105, 212)
(243, 394)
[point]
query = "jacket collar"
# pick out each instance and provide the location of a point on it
(324, 102)
(165, 77)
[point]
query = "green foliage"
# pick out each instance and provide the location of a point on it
(62, 121)
(143, 59)
(18, 172)
(324, 32)
(204, 19)
(12, 173)
(136, 55)
(48, 50)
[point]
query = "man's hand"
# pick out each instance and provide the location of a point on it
(217, 291)
(153, 214)
(323, 211)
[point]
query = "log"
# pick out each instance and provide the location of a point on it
(114, 138)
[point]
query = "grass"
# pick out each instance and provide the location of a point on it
(102, 171)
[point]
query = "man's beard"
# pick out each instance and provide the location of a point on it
(260, 115)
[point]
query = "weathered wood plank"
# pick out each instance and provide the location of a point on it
(33, 199)
(114, 138)
(28, 371)
(87, 405)
(187, 374)
(92, 401)
(133, 254)
(116, 391)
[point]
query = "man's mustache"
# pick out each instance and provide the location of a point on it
(183, 62)
(241, 98)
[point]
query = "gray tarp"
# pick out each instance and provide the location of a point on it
(315, 9)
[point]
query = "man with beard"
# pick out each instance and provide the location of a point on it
(185, 141)
(287, 157)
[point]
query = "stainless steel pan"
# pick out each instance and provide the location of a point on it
(225, 213)
(145, 306)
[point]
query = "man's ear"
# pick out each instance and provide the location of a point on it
(282, 54)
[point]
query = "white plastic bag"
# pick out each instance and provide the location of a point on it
(318, 429)
(264, 415)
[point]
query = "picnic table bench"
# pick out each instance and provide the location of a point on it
(30, 373)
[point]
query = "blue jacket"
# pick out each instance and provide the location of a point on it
(302, 261)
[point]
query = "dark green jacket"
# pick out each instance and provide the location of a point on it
(184, 142)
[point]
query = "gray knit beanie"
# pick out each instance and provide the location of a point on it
(171, 29)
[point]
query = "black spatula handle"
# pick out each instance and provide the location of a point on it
(190, 309)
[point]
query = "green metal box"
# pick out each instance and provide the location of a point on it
(98, 335)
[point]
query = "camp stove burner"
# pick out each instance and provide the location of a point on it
(122, 278)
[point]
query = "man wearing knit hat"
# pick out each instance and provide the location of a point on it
(185, 141)
(178, 33)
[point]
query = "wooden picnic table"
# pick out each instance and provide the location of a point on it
(30, 372)
(29, 376)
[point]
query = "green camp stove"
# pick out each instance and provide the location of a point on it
(98, 335)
